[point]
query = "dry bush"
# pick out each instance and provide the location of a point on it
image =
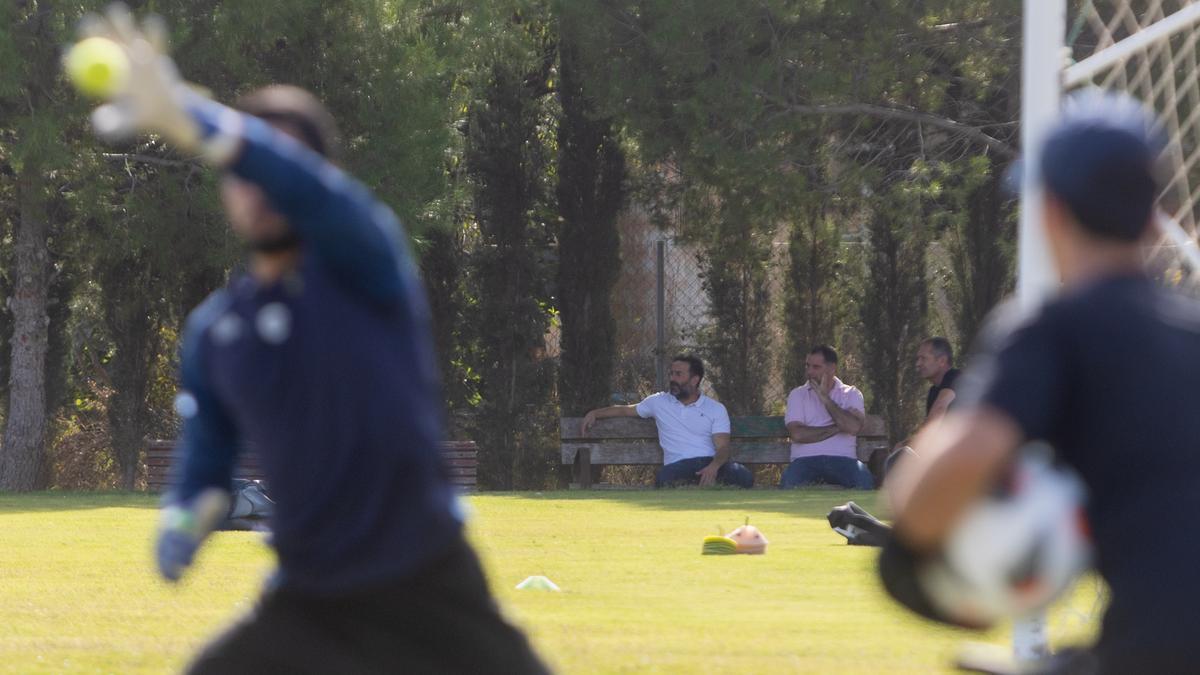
(80, 455)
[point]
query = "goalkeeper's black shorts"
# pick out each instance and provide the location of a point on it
(440, 620)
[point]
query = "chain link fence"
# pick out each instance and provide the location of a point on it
(662, 308)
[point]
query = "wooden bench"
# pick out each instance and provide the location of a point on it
(462, 462)
(158, 465)
(633, 440)
(461, 459)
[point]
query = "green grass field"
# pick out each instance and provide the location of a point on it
(78, 592)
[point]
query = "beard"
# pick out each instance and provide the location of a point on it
(276, 244)
(680, 391)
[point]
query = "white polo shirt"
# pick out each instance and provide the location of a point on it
(685, 431)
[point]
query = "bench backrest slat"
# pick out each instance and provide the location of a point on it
(741, 427)
(461, 460)
(648, 452)
(633, 440)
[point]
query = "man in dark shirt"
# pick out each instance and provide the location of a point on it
(320, 356)
(1135, 441)
(935, 363)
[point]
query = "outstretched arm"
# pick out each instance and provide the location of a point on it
(335, 215)
(610, 411)
(358, 237)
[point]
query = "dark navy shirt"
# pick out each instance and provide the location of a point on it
(1109, 375)
(330, 375)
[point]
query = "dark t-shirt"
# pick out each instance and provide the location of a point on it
(1109, 375)
(948, 381)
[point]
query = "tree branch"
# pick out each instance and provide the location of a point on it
(148, 159)
(914, 116)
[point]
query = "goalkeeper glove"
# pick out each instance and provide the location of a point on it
(155, 98)
(183, 526)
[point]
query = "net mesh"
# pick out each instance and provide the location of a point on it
(1163, 74)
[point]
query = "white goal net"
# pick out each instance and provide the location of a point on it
(1148, 49)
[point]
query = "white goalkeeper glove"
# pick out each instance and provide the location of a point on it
(154, 98)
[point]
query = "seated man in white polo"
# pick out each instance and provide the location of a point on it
(823, 419)
(693, 430)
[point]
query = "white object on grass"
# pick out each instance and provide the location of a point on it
(537, 583)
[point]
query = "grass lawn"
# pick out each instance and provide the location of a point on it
(78, 592)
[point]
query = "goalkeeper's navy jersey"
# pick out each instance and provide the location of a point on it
(329, 375)
(1109, 374)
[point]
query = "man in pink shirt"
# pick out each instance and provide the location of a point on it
(823, 418)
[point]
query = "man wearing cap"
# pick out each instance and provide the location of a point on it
(1056, 375)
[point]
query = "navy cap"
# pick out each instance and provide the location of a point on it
(1100, 160)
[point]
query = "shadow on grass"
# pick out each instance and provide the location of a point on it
(805, 503)
(54, 500)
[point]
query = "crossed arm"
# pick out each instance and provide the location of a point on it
(800, 433)
(845, 421)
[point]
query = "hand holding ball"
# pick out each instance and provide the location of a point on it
(98, 67)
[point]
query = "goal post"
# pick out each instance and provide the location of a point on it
(1044, 27)
(1148, 49)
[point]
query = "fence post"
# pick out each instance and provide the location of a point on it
(660, 315)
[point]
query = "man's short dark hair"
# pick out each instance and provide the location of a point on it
(295, 107)
(940, 346)
(695, 365)
(1100, 160)
(826, 353)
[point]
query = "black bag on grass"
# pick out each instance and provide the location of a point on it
(249, 506)
(858, 527)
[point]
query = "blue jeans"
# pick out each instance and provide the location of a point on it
(684, 471)
(844, 471)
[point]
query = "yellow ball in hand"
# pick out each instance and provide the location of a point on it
(97, 67)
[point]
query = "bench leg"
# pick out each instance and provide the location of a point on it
(583, 467)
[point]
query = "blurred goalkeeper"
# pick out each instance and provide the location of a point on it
(320, 357)
(1108, 372)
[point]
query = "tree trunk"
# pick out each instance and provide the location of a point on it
(135, 334)
(25, 430)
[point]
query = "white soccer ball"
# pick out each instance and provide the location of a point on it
(1014, 553)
